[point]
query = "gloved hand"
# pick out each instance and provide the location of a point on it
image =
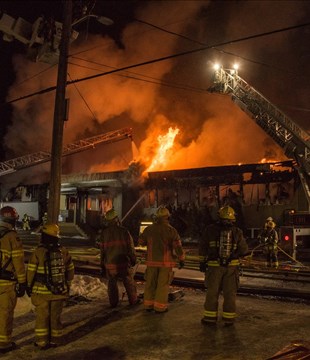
(181, 264)
(203, 267)
(21, 289)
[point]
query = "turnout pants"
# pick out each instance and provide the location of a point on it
(129, 283)
(271, 255)
(48, 326)
(225, 279)
(156, 289)
(8, 301)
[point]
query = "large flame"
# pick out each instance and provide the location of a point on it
(165, 143)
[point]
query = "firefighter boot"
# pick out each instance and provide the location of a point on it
(208, 322)
(4, 350)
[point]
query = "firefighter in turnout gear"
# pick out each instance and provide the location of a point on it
(220, 247)
(269, 239)
(26, 219)
(118, 257)
(164, 249)
(44, 219)
(12, 275)
(49, 274)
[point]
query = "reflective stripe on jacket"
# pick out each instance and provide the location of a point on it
(36, 265)
(117, 248)
(163, 243)
(210, 242)
(12, 253)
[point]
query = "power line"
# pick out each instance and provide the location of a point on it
(214, 48)
(84, 100)
(170, 84)
(34, 76)
(149, 62)
(169, 32)
(139, 33)
(147, 79)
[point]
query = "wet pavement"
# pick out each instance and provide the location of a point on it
(95, 331)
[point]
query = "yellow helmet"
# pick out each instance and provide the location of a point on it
(162, 212)
(227, 213)
(270, 224)
(51, 229)
(111, 215)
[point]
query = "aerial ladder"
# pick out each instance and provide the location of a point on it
(40, 157)
(286, 133)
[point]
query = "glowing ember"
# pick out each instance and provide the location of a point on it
(165, 144)
(266, 161)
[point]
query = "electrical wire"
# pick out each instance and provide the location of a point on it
(150, 79)
(158, 81)
(168, 57)
(214, 48)
(173, 85)
(84, 100)
(34, 76)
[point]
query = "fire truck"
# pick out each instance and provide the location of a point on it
(295, 233)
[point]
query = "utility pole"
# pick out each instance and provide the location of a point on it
(59, 113)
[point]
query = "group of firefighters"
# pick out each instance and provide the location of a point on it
(221, 247)
(36, 281)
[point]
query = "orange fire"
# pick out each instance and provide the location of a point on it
(165, 143)
(266, 161)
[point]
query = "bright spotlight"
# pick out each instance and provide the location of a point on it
(236, 66)
(216, 66)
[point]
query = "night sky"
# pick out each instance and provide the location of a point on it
(170, 93)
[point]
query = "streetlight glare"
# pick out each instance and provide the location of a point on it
(104, 20)
(236, 66)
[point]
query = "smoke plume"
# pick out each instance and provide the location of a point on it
(152, 98)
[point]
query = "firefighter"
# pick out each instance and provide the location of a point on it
(269, 239)
(269, 218)
(26, 225)
(44, 219)
(12, 275)
(164, 248)
(118, 257)
(48, 278)
(220, 247)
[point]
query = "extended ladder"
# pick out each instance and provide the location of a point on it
(80, 145)
(291, 137)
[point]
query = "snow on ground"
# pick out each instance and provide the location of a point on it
(95, 331)
(82, 286)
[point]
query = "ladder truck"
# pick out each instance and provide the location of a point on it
(286, 133)
(40, 157)
(22, 162)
